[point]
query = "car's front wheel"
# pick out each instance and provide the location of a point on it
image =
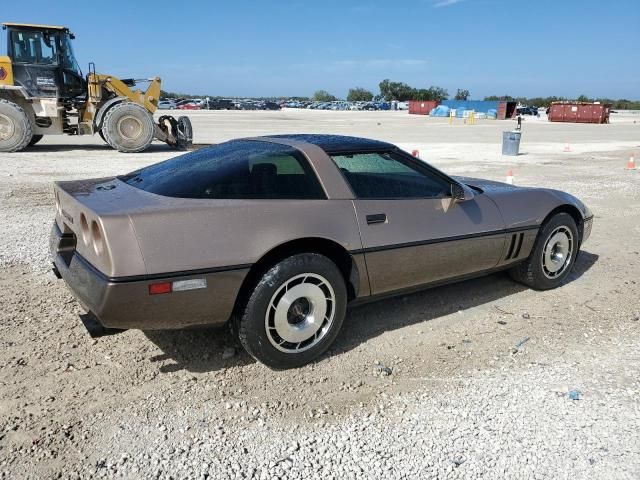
(553, 256)
(294, 312)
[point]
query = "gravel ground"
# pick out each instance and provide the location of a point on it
(483, 379)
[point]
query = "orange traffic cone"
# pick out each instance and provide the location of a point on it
(416, 153)
(567, 148)
(631, 164)
(510, 177)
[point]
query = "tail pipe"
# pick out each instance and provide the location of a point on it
(95, 328)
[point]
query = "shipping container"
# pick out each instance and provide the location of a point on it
(422, 107)
(495, 109)
(475, 105)
(579, 112)
(506, 110)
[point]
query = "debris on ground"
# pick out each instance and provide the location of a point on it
(502, 310)
(574, 394)
(381, 370)
(519, 345)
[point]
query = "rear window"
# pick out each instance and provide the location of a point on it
(233, 170)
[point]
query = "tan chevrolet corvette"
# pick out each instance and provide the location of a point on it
(278, 234)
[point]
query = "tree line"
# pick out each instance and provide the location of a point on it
(401, 92)
(619, 104)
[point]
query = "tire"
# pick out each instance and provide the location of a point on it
(276, 325)
(128, 127)
(35, 139)
(185, 133)
(15, 127)
(553, 255)
(102, 136)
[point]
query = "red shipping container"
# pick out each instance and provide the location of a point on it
(422, 107)
(506, 110)
(579, 112)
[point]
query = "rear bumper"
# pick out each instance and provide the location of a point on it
(123, 304)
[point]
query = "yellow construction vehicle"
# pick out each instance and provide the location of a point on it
(43, 92)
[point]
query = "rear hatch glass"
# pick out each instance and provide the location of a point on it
(241, 169)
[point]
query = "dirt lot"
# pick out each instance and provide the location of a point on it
(462, 401)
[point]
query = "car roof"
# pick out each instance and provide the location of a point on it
(337, 143)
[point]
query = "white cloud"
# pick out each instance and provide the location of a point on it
(446, 3)
(381, 62)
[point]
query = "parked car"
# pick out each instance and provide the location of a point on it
(183, 102)
(269, 106)
(278, 234)
(527, 111)
(166, 105)
(221, 104)
(189, 106)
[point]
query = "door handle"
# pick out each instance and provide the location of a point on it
(376, 218)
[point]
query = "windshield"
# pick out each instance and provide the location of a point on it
(34, 47)
(68, 58)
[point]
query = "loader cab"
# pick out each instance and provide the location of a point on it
(43, 62)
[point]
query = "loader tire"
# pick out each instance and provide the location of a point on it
(15, 127)
(128, 127)
(185, 133)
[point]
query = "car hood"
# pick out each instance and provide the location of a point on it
(525, 205)
(487, 186)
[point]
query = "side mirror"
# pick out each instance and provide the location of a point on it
(461, 193)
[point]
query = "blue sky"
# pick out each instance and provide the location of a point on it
(294, 47)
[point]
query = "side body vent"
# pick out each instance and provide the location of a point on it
(514, 246)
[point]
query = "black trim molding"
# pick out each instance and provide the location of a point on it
(445, 239)
(159, 276)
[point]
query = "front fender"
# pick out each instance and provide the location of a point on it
(531, 206)
(97, 122)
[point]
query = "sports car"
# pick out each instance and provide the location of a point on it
(278, 234)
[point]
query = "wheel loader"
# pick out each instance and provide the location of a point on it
(43, 92)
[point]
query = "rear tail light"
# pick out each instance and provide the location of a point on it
(160, 288)
(84, 227)
(96, 238)
(57, 197)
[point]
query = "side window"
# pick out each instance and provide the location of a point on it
(233, 170)
(281, 176)
(389, 175)
(285, 164)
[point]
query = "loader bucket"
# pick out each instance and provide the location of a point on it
(176, 133)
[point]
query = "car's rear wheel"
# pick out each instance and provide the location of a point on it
(294, 312)
(553, 255)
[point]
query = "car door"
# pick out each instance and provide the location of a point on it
(413, 232)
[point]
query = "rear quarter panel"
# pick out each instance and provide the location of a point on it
(121, 255)
(187, 234)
